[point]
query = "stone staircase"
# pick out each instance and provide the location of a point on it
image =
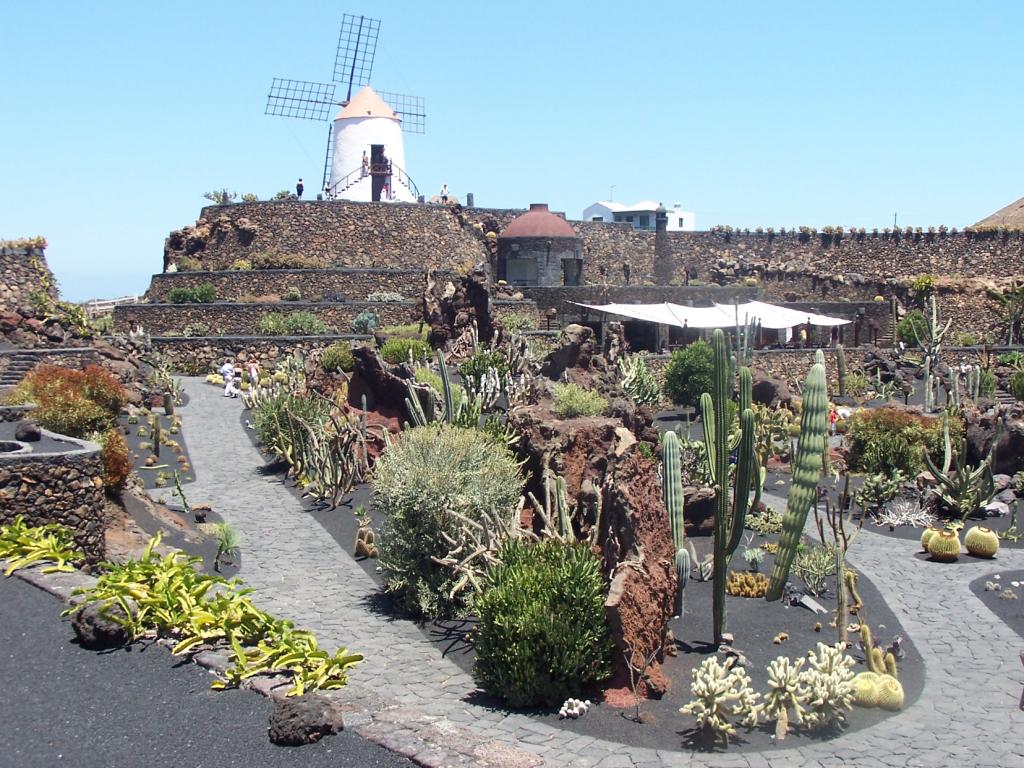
(1002, 397)
(19, 364)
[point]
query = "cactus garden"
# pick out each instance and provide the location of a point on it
(532, 516)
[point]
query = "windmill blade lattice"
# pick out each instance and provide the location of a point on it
(409, 109)
(357, 46)
(300, 98)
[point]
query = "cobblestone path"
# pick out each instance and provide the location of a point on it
(411, 700)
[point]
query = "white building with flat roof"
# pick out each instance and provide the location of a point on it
(640, 215)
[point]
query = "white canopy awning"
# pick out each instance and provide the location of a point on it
(718, 316)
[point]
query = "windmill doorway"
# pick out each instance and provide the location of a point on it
(380, 172)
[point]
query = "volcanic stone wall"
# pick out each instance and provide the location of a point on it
(64, 488)
(313, 284)
(203, 355)
(233, 319)
(337, 233)
(409, 236)
(21, 272)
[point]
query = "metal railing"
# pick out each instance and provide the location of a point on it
(103, 307)
(377, 169)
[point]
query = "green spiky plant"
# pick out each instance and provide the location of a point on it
(672, 494)
(806, 472)
(965, 488)
(729, 514)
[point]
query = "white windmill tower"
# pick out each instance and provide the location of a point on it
(365, 153)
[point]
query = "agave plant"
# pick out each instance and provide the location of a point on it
(965, 488)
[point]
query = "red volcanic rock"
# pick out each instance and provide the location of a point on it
(9, 321)
(636, 543)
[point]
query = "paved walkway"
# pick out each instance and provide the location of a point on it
(411, 700)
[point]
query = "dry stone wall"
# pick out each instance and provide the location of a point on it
(204, 355)
(313, 284)
(409, 236)
(20, 276)
(65, 488)
(233, 319)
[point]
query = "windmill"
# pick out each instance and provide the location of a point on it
(365, 157)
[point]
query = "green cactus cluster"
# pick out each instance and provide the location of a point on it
(880, 685)
(672, 494)
(730, 508)
(807, 468)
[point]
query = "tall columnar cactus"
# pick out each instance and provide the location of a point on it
(841, 369)
(672, 493)
(929, 386)
(729, 517)
(806, 472)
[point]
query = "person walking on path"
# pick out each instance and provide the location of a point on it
(228, 372)
(254, 373)
(833, 417)
(298, 189)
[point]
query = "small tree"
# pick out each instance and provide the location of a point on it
(221, 196)
(913, 321)
(689, 373)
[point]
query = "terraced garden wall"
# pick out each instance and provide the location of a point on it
(203, 355)
(371, 235)
(65, 487)
(235, 319)
(314, 284)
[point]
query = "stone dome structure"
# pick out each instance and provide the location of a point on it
(539, 248)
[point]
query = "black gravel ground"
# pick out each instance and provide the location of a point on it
(131, 708)
(1010, 610)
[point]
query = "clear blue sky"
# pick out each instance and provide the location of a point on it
(117, 116)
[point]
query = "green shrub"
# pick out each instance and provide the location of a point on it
(410, 330)
(882, 440)
(987, 385)
(204, 293)
(427, 476)
(542, 635)
(476, 366)
(338, 357)
(688, 373)
(188, 264)
(241, 265)
(272, 258)
(397, 350)
(923, 287)
(292, 294)
(196, 329)
(518, 322)
(914, 319)
(1017, 385)
(366, 321)
(572, 400)
(71, 402)
(432, 379)
(300, 323)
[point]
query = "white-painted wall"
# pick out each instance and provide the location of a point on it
(352, 137)
(608, 212)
